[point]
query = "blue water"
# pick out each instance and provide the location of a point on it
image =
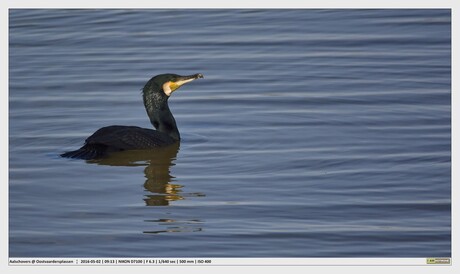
(315, 133)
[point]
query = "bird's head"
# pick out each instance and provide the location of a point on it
(169, 82)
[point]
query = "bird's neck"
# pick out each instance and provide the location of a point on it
(160, 116)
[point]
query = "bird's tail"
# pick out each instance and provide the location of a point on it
(87, 152)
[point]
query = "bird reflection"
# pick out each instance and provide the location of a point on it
(176, 226)
(159, 183)
(159, 180)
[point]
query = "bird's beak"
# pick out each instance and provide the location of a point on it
(185, 79)
(171, 86)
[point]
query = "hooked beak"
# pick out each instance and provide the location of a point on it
(171, 86)
(186, 79)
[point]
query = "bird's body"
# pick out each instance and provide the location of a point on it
(119, 138)
(111, 139)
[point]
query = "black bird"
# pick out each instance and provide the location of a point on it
(155, 93)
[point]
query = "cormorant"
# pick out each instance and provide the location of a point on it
(155, 93)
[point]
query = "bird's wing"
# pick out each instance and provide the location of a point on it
(129, 137)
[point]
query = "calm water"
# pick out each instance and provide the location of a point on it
(315, 133)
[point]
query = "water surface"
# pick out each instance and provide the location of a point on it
(315, 133)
